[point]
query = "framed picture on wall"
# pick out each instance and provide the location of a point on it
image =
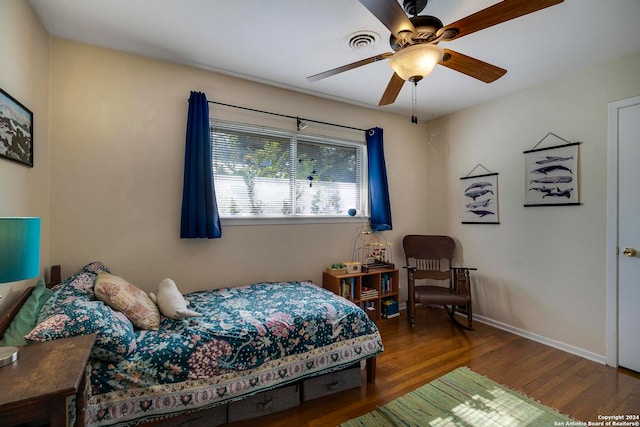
(480, 199)
(551, 176)
(16, 130)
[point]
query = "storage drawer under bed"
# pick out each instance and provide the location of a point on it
(333, 382)
(265, 403)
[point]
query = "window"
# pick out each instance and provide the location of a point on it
(267, 173)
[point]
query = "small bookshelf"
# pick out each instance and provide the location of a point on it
(368, 290)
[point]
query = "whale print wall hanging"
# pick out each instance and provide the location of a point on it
(480, 198)
(551, 174)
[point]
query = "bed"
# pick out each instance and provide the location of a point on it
(250, 340)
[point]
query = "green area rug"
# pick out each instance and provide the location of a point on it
(462, 398)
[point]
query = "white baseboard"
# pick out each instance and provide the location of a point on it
(598, 358)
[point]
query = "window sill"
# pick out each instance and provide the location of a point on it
(292, 220)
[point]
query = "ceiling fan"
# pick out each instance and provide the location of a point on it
(414, 41)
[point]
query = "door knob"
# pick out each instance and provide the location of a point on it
(629, 252)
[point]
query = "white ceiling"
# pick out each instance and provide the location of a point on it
(281, 42)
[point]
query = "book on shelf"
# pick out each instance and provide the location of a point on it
(347, 288)
(389, 308)
(368, 305)
(390, 316)
(368, 293)
(386, 283)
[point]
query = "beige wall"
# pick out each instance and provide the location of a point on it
(108, 176)
(542, 270)
(24, 74)
(118, 131)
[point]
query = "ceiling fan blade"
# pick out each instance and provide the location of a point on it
(351, 66)
(500, 12)
(391, 14)
(391, 92)
(471, 67)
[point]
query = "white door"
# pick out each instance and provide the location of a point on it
(623, 234)
(629, 235)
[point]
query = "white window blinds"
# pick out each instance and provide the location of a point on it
(261, 173)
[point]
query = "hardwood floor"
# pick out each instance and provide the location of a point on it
(571, 384)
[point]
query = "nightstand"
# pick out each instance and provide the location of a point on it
(36, 388)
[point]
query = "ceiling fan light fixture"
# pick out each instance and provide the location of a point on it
(416, 61)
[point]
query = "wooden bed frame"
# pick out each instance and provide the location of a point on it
(178, 419)
(5, 321)
(14, 307)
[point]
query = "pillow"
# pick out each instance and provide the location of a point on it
(78, 285)
(170, 301)
(121, 295)
(27, 316)
(115, 334)
(95, 267)
(81, 282)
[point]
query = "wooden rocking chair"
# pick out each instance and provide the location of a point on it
(430, 257)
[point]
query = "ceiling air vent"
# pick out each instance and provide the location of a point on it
(363, 40)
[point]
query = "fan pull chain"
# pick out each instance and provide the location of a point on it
(414, 103)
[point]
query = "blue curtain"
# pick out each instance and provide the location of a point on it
(378, 187)
(199, 208)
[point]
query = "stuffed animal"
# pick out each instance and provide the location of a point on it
(170, 301)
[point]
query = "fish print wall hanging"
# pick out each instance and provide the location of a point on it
(480, 199)
(551, 175)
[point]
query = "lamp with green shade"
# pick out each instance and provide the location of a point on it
(19, 260)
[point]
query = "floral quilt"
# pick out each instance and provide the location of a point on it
(249, 339)
(241, 329)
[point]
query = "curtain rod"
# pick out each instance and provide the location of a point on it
(299, 119)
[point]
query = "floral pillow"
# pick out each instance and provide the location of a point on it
(121, 295)
(95, 267)
(79, 284)
(77, 316)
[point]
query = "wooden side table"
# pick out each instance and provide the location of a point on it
(37, 387)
